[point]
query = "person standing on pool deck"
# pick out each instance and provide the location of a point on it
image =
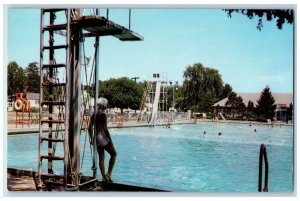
(103, 140)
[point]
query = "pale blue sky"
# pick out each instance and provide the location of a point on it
(247, 59)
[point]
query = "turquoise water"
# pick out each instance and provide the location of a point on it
(181, 158)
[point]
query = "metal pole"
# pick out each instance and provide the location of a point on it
(95, 100)
(67, 107)
(50, 88)
(41, 96)
(173, 98)
(74, 112)
(129, 19)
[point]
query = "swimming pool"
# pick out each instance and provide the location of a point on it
(181, 158)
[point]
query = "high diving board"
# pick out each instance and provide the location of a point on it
(99, 26)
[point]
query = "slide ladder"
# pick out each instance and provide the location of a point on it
(144, 100)
(155, 105)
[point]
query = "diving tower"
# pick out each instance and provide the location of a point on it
(61, 86)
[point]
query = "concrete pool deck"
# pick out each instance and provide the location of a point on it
(27, 181)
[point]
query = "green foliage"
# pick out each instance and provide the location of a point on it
(266, 104)
(16, 79)
(179, 98)
(202, 87)
(281, 16)
(19, 80)
(250, 110)
(250, 104)
(227, 89)
(33, 78)
(122, 93)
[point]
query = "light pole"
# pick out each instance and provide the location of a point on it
(173, 88)
(135, 78)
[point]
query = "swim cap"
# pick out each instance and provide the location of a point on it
(102, 102)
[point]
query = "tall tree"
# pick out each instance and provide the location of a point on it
(281, 16)
(33, 77)
(122, 93)
(202, 87)
(266, 104)
(16, 79)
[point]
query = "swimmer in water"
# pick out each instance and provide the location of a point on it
(204, 133)
(220, 133)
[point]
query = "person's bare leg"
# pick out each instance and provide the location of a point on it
(113, 154)
(101, 164)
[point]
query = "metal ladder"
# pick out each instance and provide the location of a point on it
(263, 156)
(53, 94)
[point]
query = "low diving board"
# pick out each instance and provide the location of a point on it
(95, 25)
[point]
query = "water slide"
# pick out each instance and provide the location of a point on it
(223, 117)
(155, 105)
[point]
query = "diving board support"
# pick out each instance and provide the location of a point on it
(155, 104)
(64, 93)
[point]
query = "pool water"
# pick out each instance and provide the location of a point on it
(182, 158)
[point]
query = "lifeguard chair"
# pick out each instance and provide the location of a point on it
(22, 105)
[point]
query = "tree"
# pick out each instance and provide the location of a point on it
(179, 98)
(250, 108)
(16, 79)
(266, 104)
(202, 87)
(282, 16)
(227, 89)
(122, 93)
(236, 103)
(33, 78)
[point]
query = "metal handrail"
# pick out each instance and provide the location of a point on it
(263, 155)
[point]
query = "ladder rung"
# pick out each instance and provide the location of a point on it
(53, 65)
(54, 47)
(51, 175)
(52, 157)
(53, 103)
(54, 84)
(53, 10)
(52, 139)
(53, 121)
(55, 27)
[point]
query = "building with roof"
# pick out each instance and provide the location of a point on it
(282, 101)
(34, 99)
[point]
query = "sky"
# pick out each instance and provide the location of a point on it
(246, 58)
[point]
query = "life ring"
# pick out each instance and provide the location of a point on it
(18, 104)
